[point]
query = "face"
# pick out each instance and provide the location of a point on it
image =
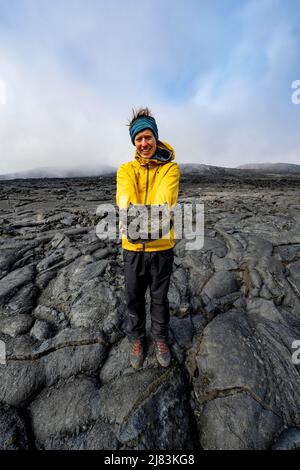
(145, 143)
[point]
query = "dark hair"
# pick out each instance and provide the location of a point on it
(137, 113)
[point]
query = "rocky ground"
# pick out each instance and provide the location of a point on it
(235, 313)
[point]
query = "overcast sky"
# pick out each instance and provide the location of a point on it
(217, 75)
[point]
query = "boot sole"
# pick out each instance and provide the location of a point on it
(163, 364)
(138, 365)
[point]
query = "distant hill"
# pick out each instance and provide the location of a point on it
(240, 171)
(78, 171)
(199, 169)
(272, 167)
(209, 171)
(60, 172)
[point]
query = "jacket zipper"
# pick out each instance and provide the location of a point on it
(147, 184)
(146, 195)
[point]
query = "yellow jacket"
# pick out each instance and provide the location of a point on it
(149, 181)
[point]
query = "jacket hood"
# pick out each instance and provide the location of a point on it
(164, 154)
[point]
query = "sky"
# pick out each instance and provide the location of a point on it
(216, 74)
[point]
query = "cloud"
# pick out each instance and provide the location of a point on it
(217, 79)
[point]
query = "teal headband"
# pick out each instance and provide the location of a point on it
(142, 123)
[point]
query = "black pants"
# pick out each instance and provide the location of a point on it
(143, 269)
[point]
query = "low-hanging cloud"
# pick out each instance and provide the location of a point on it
(218, 80)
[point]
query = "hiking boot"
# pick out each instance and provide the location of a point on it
(137, 354)
(163, 354)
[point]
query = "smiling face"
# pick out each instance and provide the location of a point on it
(145, 143)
